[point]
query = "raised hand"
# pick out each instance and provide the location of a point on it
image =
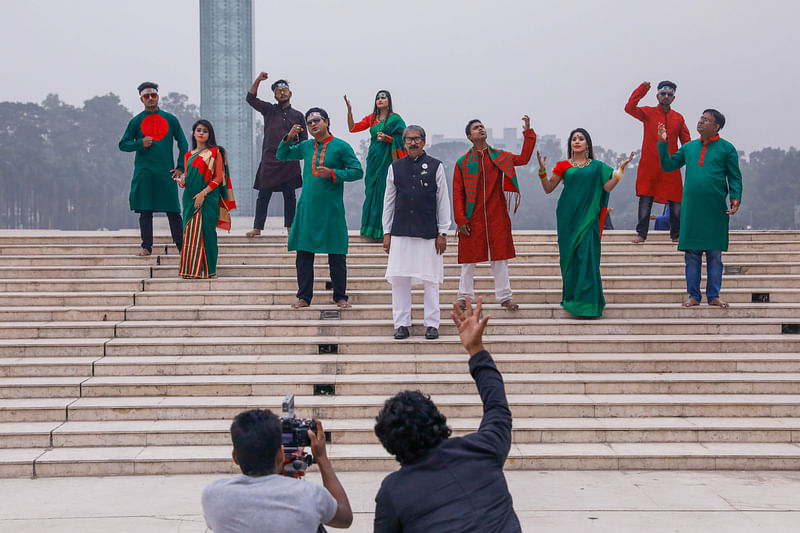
(470, 325)
(347, 101)
(662, 131)
(646, 84)
(294, 132)
(526, 122)
(624, 162)
(262, 76)
(542, 160)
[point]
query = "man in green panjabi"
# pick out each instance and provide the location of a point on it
(712, 174)
(319, 224)
(153, 189)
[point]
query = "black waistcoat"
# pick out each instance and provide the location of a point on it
(415, 203)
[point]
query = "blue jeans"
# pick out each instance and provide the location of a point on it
(694, 264)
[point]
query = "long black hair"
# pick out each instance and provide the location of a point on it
(375, 111)
(589, 147)
(212, 139)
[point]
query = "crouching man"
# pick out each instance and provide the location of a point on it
(261, 499)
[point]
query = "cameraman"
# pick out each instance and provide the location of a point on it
(448, 484)
(261, 499)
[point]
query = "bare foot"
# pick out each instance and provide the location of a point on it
(691, 302)
(299, 304)
(287, 230)
(638, 240)
(253, 233)
(143, 253)
(343, 304)
(719, 303)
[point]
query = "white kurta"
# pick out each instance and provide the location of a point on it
(413, 257)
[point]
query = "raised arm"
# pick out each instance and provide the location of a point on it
(494, 433)
(286, 150)
(256, 103)
(344, 514)
(632, 107)
(528, 143)
(548, 184)
(669, 162)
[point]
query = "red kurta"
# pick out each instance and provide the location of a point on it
(490, 212)
(650, 179)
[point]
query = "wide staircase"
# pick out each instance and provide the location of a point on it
(111, 364)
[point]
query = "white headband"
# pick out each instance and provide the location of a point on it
(148, 90)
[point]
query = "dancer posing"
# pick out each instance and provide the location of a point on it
(207, 202)
(386, 145)
(150, 134)
(319, 225)
(480, 209)
(712, 174)
(579, 218)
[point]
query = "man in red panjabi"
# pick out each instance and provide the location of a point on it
(484, 183)
(652, 183)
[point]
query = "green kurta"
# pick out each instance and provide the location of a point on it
(152, 187)
(712, 172)
(319, 225)
(578, 222)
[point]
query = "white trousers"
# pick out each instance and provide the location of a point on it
(401, 302)
(502, 283)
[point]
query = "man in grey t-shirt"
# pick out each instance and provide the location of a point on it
(261, 499)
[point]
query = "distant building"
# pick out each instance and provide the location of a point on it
(511, 141)
(226, 72)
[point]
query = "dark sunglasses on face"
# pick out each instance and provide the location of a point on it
(151, 95)
(666, 93)
(312, 121)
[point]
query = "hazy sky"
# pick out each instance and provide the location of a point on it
(567, 64)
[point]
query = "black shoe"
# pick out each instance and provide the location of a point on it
(431, 333)
(401, 333)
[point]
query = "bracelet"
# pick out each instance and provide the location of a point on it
(735, 202)
(542, 173)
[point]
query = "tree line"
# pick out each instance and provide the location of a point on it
(61, 169)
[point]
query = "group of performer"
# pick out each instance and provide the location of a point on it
(407, 205)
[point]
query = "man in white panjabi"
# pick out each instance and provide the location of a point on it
(416, 217)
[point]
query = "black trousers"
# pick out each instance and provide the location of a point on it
(146, 229)
(289, 206)
(305, 275)
(646, 205)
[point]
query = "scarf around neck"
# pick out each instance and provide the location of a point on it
(504, 161)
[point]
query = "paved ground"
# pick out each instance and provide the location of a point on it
(562, 502)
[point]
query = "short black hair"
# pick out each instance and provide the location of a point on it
(147, 85)
(321, 112)
(272, 87)
(469, 125)
(410, 425)
(667, 83)
(256, 436)
(718, 117)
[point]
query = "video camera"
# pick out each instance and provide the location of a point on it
(294, 437)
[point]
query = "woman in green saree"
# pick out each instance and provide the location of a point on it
(579, 218)
(386, 145)
(207, 202)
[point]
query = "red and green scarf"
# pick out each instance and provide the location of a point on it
(204, 164)
(504, 161)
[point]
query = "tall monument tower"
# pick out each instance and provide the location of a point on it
(226, 73)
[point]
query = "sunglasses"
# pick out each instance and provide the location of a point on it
(666, 93)
(150, 95)
(311, 121)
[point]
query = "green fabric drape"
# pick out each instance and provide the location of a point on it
(380, 156)
(578, 221)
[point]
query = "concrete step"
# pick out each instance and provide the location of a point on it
(81, 272)
(323, 299)
(382, 311)
(47, 366)
(165, 460)
(377, 384)
(482, 283)
(504, 325)
(445, 344)
(336, 365)
(66, 299)
(452, 405)
(44, 313)
(360, 431)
